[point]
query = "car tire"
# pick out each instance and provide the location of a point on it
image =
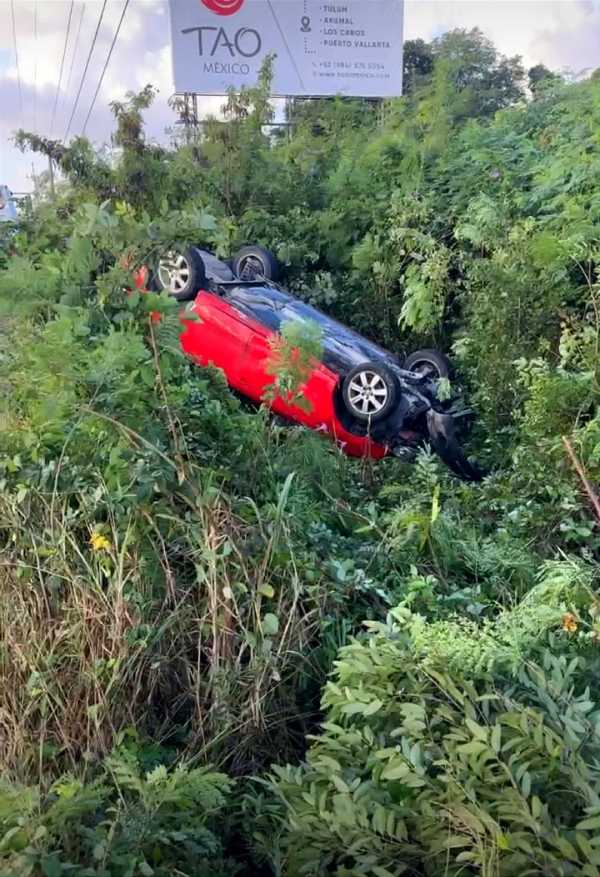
(431, 363)
(254, 263)
(180, 275)
(369, 391)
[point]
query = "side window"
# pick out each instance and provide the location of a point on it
(256, 303)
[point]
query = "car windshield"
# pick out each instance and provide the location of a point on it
(342, 347)
(336, 336)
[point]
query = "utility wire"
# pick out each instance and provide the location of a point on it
(106, 63)
(76, 46)
(14, 33)
(87, 64)
(35, 65)
(62, 65)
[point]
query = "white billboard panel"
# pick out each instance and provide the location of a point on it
(351, 48)
(8, 210)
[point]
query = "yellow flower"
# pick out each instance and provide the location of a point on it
(569, 622)
(99, 542)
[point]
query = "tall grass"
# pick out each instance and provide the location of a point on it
(183, 637)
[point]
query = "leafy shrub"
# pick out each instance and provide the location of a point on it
(125, 821)
(449, 749)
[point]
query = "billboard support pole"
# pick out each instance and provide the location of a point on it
(51, 170)
(35, 183)
(186, 105)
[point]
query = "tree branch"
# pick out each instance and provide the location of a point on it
(587, 486)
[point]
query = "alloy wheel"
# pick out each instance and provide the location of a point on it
(368, 393)
(174, 272)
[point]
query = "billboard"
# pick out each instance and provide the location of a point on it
(8, 210)
(350, 48)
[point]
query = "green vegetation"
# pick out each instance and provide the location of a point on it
(227, 649)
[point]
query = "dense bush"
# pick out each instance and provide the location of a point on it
(128, 820)
(437, 765)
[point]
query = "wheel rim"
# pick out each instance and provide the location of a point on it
(368, 393)
(174, 273)
(251, 267)
(426, 368)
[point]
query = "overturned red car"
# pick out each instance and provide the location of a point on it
(371, 402)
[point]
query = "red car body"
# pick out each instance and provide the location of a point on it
(241, 347)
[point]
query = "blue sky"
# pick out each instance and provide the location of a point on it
(564, 34)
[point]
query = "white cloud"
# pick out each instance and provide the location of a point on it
(558, 33)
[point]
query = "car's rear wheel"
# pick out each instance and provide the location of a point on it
(430, 363)
(181, 274)
(255, 263)
(369, 391)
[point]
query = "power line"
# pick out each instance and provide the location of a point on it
(110, 51)
(14, 33)
(75, 47)
(62, 64)
(35, 63)
(87, 64)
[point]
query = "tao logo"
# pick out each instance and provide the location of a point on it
(245, 42)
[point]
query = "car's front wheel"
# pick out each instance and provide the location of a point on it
(369, 391)
(181, 275)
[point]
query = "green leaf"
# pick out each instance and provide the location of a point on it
(339, 783)
(435, 504)
(475, 747)
(267, 591)
(477, 730)
(395, 770)
(148, 376)
(270, 624)
(373, 707)
(585, 847)
(14, 840)
(567, 849)
(589, 824)
(51, 866)
(353, 708)
(497, 738)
